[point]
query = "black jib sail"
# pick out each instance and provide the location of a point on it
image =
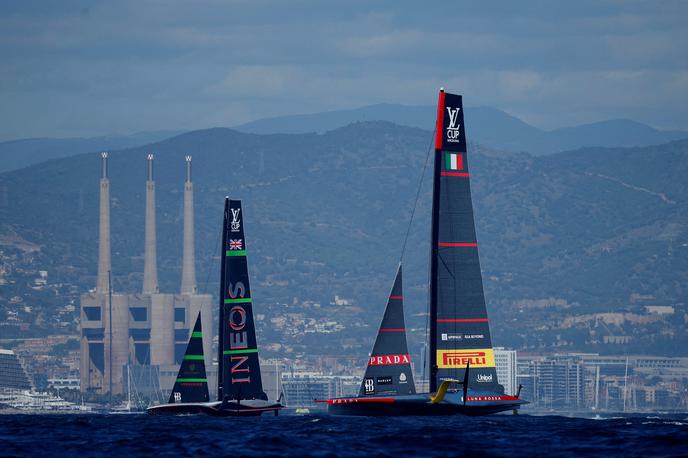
(191, 384)
(238, 352)
(459, 328)
(389, 367)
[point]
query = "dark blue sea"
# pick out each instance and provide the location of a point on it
(321, 435)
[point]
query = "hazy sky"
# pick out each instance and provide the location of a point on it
(72, 68)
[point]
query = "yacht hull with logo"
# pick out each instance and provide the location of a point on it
(478, 403)
(246, 408)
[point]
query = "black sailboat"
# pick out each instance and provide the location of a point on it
(463, 378)
(240, 389)
(190, 391)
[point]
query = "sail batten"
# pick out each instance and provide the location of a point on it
(459, 326)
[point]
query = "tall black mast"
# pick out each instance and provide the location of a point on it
(220, 340)
(434, 239)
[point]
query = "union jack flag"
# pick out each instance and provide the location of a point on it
(236, 244)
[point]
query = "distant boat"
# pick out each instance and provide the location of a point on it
(463, 378)
(126, 409)
(240, 389)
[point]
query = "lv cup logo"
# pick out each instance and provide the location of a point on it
(453, 130)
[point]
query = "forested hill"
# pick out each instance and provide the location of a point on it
(326, 215)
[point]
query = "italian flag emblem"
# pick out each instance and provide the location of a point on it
(453, 161)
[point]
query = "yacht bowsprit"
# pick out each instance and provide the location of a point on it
(240, 388)
(463, 378)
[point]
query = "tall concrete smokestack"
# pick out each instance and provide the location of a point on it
(150, 264)
(189, 258)
(104, 266)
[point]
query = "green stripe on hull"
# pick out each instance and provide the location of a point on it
(196, 380)
(194, 357)
(239, 352)
(240, 300)
(235, 253)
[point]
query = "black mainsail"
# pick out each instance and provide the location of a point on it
(191, 384)
(389, 367)
(239, 369)
(459, 328)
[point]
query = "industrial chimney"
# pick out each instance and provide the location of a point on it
(150, 264)
(104, 266)
(188, 260)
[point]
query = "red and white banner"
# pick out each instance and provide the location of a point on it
(388, 360)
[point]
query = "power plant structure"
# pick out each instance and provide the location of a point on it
(147, 332)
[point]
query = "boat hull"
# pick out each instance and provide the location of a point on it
(477, 404)
(247, 408)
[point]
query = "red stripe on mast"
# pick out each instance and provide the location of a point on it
(396, 297)
(455, 174)
(462, 244)
(462, 320)
(392, 330)
(439, 128)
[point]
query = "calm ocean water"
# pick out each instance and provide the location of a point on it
(322, 435)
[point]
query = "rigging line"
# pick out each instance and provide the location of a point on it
(420, 186)
(426, 352)
(444, 263)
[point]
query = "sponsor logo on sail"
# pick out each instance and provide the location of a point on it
(402, 378)
(449, 359)
(388, 360)
(454, 128)
(483, 378)
(474, 336)
(384, 380)
(177, 396)
(446, 337)
(239, 368)
(369, 385)
(235, 225)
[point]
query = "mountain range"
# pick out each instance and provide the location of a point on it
(20, 153)
(487, 126)
(327, 214)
